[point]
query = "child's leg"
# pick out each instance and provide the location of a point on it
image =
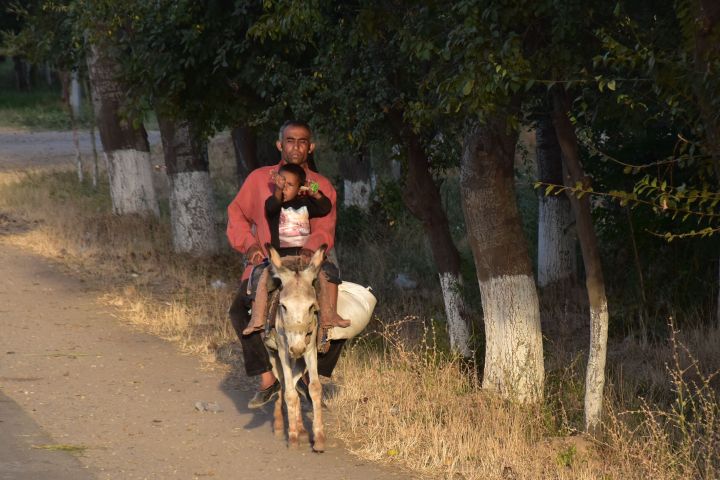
(260, 305)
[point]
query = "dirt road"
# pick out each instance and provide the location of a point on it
(21, 148)
(126, 400)
(74, 377)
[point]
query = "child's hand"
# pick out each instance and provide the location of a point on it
(279, 182)
(311, 189)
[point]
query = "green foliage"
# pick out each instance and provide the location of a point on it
(387, 203)
(39, 109)
(352, 224)
(566, 457)
(366, 73)
(35, 110)
(47, 31)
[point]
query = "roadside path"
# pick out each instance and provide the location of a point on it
(20, 148)
(22, 456)
(71, 373)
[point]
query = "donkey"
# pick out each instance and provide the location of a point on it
(292, 346)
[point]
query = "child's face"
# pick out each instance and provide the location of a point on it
(292, 186)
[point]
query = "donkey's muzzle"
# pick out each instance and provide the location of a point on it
(297, 350)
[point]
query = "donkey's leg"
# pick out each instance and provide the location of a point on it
(315, 388)
(292, 399)
(297, 374)
(278, 422)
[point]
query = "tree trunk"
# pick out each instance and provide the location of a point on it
(95, 172)
(513, 338)
(557, 265)
(595, 377)
(22, 73)
(245, 145)
(75, 95)
(356, 172)
(75, 134)
(48, 74)
(192, 213)
(251, 154)
(707, 50)
(422, 198)
(127, 152)
(76, 143)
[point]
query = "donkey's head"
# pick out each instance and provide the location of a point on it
(297, 312)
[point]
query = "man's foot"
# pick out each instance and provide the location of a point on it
(334, 320)
(264, 396)
(323, 344)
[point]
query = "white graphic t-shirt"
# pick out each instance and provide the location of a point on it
(294, 227)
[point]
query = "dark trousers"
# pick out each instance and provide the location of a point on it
(253, 349)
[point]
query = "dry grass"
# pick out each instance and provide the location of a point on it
(416, 407)
(399, 398)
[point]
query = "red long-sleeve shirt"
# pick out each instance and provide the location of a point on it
(248, 226)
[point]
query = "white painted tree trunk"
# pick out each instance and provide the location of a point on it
(454, 307)
(356, 171)
(78, 155)
(125, 145)
(594, 279)
(513, 338)
(75, 96)
(192, 213)
(93, 142)
(131, 187)
(557, 262)
(95, 169)
(595, 374)
(395, 169)
(513, 355)
(357, 193)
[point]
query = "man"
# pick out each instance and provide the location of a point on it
(248, 232)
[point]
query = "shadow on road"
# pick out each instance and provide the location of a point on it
(28, 453)
(240, 389)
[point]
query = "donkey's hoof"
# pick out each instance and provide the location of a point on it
(319, 443)
(279, 434)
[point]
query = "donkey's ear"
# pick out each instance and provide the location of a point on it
(318, 257)
(274, 256)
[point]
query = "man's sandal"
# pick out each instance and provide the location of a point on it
(264, 396)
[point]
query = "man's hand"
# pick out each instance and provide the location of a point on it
(255, 255)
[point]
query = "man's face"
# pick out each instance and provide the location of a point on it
(295, 145)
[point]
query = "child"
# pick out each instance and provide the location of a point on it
(288, 215)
